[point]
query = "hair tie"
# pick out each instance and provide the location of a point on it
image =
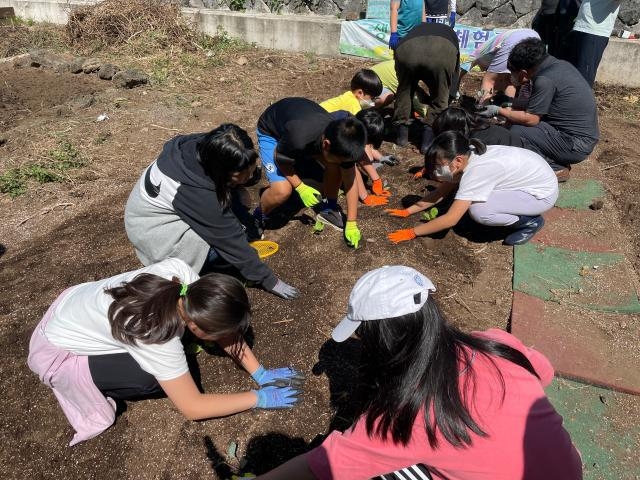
(472, 148)
(183, 290)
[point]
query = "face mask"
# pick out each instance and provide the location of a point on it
(444, 173)
(364, 103)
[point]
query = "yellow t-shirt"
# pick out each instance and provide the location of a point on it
(347, 101)
(386, 71)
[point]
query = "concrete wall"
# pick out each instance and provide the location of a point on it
(317, 34)
(620, 62)
(297, 33)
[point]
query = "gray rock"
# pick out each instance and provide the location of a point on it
(473, 17)
(43, 58)
(501, 16)
(629, 12)
(91, 65)
(354, 8)
(22, 62)
(75, 66)
(130, 78)
(524, 21)
(61, 67)
(257, 6)
(107, 71)
(487, 6)
(522, 7)
(463, 6)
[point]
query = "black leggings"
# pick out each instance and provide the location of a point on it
(120, 377)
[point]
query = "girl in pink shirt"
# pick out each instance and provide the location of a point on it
(461, 406)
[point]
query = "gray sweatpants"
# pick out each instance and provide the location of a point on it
(503, 208)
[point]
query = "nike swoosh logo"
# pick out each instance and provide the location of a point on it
(152, 190)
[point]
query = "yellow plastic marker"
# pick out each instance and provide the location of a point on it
(265, 248)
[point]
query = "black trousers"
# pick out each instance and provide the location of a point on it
(435, 61)
(557, 147)
(584, 51)
(120, 377)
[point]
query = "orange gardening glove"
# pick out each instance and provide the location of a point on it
(402, 235)
(419, 174)
(375, 201)
(395, 212)
(379, 189)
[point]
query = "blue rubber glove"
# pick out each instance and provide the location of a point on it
(276, 397)
(280, 377)
(489, 111)
(394, 39)
(452, 19)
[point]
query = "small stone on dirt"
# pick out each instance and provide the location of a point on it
(75, 66)
(196, 103)
(242, 60)
(107, 71)
(130, 78)
(91, 65)
(84, 101)
(597, 204)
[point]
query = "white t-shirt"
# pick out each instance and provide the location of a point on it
(597, 17)
(80, 323)
(503, 168)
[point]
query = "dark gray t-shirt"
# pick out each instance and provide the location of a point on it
(564, 100)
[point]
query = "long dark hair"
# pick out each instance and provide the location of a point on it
(414, 363)
(224, 151)
(460, 120)
(145, 309)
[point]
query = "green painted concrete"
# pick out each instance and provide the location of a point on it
(551, 273)
(579, 194)
(609, 450)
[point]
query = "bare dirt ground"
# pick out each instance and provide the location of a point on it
(66, 232)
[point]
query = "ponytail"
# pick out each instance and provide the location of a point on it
(477, 146)
(449, 145)
(145, 309)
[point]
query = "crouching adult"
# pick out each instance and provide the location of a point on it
(560, 121)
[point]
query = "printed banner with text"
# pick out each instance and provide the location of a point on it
(370, 38)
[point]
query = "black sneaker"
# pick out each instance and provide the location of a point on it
(525, 229)
(333, 218)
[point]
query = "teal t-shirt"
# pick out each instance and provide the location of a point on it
(409, 15)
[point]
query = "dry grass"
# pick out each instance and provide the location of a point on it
(116, 22)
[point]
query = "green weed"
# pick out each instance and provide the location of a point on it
(66, 156)
(275, 5)
(160, 71)
(236, 5)
(14, 181)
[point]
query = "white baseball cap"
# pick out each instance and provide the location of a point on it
(387, 292)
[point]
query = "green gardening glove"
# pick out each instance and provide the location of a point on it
(309, 195)
(352, 233)
(430, 214)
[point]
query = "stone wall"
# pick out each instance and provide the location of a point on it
(491, 13)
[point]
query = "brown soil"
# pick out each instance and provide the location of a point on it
(60, 234)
